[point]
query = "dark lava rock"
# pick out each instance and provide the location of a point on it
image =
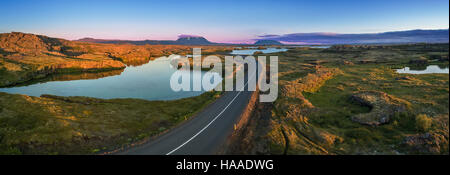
(428, 143)
(383, 107)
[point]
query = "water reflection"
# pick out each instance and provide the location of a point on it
(150, 81)
(138, 62)
(73, 76)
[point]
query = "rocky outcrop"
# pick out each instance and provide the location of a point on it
(383, 107)
(443, 58)
(404, 78)
(27, 73)
(428, 143)
(419, 61)
(17, 42)
(87, 65)
(345, 62)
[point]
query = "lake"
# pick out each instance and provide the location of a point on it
(150, 81)
(252, 51)
(431, 69)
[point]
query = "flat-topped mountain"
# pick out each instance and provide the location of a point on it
(192, 40)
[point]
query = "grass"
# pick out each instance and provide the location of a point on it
(330, 109)
(335, 109)
(81, 125)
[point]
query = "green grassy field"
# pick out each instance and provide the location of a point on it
(315, 113)
(428, 95)
(81, 125)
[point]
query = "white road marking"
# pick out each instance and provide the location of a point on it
(226, 107)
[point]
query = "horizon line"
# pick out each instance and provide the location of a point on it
(243, 41)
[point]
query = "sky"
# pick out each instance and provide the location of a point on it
(219, 21)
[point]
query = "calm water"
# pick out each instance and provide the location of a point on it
(252, 51)
(150, 81)
(431, 69)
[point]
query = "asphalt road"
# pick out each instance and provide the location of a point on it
(204, 133)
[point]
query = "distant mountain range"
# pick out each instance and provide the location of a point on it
(182, 40)
(267, 42)
(411, 36)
